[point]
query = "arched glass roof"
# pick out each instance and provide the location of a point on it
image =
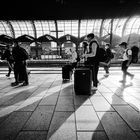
(76, 28)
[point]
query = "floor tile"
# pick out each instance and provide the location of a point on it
(40, 119)
(115, 127)
(100, 135)
(86, 119)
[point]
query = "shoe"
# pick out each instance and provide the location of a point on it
(94, 88)
(99, 83)
(132, 77)
(122, 81)
(29, 72)
(106, 75)
(25, 84)
(14, 84)
(7, 75)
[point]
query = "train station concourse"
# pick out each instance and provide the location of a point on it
(52, 93)
(49, 108)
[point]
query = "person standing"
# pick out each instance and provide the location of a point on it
(109, 56)
(20, 69)
(73, 58)
(8, 56)
(92, 58)
(127, 56)
(84, 50)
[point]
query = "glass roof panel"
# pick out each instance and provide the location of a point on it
(118, 25)
(106, 27)
(67, 27)
(45, 27)
(129, 25)
(97, 26)
(89, 26)
(83, 28)
(22, 27)
(136, 26)
(5, 29)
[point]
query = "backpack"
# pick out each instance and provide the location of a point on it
(111, 55)
(135, 51)
(102, 55)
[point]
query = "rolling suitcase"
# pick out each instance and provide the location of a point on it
(66, 72)
(82, 81)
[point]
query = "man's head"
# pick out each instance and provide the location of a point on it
(90, 37)
(84, 44)
(123, 45)
(107, 45)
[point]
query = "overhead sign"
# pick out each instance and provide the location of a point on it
(68, 44)
(68, 37)
(49, 38)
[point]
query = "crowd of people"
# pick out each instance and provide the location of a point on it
(16, 59)
(91, 54)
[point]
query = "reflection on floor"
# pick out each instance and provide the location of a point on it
(49, 109)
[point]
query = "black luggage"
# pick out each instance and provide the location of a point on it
(82, 81)
(66, 72)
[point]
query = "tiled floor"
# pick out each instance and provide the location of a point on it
(48, 109)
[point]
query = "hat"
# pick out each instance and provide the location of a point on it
(123, 43)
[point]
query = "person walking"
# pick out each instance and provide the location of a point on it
(109, 56)
(127, 56)
(8, 56)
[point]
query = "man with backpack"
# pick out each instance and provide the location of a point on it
(92, 58)
(127, 60)
(8, 56)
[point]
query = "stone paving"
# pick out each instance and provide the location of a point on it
(48, 109)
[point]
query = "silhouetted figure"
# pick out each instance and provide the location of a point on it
(109, 56)
(92, 57)
(8, 56)
(20, 69)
